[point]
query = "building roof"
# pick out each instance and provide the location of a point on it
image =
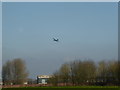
(44, 76)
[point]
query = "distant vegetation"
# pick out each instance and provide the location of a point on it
(79, 72)
(72, 87)
(74, 73)
(14, 72)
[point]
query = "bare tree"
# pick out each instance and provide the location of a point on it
(15, 72)
(112, 73)
(64, 73)
(20, 73)
(73, 72)
(82, 71)
(107, 72)
(55, 79)
(102, 71)
(87, 72)
(7, 73)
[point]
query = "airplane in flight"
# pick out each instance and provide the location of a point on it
(55, 39)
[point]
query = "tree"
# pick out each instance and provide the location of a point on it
(75, 73)
(20, 73)
(15, 72)
(71, 76)
(112, 74)
(64, 73)
(89, 70)
(102, 71)
(118, 72)
(107, 72)
(54, 79)
(7, 72)
(82, 71)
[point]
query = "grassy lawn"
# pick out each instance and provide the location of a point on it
(67, 87)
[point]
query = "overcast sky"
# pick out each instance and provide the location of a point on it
(0, 38)
(84, 30)
(60, 0)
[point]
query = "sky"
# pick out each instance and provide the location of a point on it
(85, 31)
(0, 38)
(60, 0)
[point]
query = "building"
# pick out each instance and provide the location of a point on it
(1, 82)
(42, 79)
(25, 83)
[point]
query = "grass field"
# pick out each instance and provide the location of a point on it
(67, 88)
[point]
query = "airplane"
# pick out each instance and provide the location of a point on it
(55, 39)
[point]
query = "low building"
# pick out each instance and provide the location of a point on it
(42, 79)
(1, 82)
(25, 83)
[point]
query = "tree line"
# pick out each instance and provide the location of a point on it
(14, 72)
(87, 73)
(75, 72)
